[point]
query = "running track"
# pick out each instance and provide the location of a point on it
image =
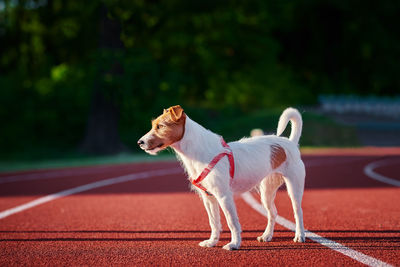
(144, 214)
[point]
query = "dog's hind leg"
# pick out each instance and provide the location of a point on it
(212, 208)
(227, 205)
(268, 188)
(295, 188)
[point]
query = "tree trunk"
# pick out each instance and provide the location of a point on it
(101, 136)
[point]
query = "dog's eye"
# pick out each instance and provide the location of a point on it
(159, 126)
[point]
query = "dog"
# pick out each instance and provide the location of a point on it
(218, 171)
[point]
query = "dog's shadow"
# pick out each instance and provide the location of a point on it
(378, 239)
(357, 239)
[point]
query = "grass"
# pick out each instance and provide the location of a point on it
(16, 165)
(318, 131)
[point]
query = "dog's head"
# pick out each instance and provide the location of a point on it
(167, 129)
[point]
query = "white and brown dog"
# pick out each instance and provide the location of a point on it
(265, 162)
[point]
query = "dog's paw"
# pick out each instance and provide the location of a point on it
(209, 243)
(299, 238)
(231, 246)
(264, 238)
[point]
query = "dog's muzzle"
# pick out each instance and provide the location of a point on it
(146, 147)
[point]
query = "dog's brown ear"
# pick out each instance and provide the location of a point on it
(176, 112)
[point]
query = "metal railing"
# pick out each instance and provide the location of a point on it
(351, 104)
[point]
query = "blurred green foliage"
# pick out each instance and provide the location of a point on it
(318, 130)
(217, 57)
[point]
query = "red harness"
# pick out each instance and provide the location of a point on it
(211, 165)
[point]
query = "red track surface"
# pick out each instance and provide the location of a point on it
(158, 221)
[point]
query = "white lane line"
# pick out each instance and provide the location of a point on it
(369, 171)
(86, 187)
(358, 256)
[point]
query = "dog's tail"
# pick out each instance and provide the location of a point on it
(292, 115)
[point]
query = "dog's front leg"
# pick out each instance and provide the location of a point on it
(211, 205)
(228, 207)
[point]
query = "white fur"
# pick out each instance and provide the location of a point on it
(252, 168)
(292, 115)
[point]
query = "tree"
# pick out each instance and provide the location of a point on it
(101, 136)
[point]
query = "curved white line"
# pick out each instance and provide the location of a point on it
(86, 187)
(369, 171)
(356, 255)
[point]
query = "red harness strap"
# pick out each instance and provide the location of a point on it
(211, 165)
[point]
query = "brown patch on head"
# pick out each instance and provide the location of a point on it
(168, 128)
(278, 156)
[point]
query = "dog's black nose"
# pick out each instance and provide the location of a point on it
(140, 142)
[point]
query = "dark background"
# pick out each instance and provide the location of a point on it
(87, 76)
